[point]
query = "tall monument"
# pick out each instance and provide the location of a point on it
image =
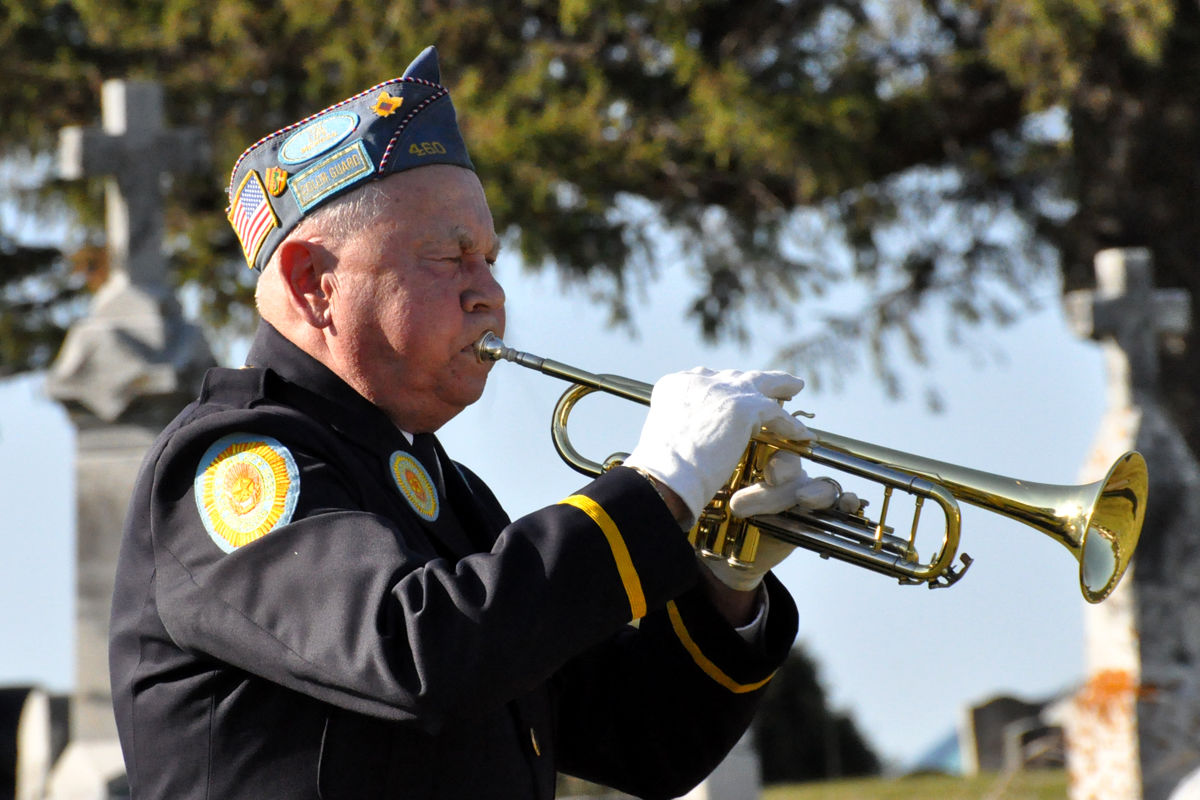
(1136, 728)
(124, 371)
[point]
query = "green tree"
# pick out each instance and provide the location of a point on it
(944, 151)
(799, 738)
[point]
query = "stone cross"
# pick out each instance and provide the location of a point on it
(123, 372)
(1126, 308)
(1134, 729)
(135, 343)
(135, 148)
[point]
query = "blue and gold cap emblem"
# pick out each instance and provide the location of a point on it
(413, 482)
(245, 487)
(394, 126)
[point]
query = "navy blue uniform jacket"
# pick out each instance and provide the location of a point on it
(355, 649)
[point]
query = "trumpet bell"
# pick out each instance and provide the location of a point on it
(1098, 523)
(1111, 533)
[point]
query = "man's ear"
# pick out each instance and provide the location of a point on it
(302, 268)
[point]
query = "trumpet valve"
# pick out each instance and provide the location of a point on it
(708, 539)
(745, 545)
(709, 535)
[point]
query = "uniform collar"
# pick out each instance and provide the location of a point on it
(310, 383)
(296, 379)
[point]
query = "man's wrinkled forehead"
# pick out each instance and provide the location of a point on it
(392, 127)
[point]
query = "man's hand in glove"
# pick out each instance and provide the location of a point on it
(700, 422)
(785, 485)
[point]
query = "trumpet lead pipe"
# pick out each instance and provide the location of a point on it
(491, 347)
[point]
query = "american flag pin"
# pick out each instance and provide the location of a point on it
(252, 216)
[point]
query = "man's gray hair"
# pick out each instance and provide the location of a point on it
(346, 215)
(337, 221)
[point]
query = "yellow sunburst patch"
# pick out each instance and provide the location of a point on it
(386, 104)
(414, 483)
(245, 487)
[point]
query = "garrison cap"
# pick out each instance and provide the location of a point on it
(397, 125)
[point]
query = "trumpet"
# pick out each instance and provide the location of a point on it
(1098, 523)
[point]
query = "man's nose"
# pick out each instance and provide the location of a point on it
(484, 292)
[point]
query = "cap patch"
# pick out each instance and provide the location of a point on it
(332, 173)
(252, 216)
(414, 484)
(245, 487)
(386, 104)
(317, 137)
(276, 179)
(396, 125)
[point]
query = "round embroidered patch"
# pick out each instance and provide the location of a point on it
(413, 482)
(317, 137)
(245, 487)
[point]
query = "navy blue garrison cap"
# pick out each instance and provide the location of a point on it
(400, 124)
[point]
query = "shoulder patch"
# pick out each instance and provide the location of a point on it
(246, 486)
(414, 483)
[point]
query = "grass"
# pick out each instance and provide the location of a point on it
(1032, 785)
(1042, 784)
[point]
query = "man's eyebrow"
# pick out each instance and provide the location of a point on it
(467, 242)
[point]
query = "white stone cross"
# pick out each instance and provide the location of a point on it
(1124, 746)
(123, 371)
(1126, 307)
(135, 148)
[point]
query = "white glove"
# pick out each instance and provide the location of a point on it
(700, 422)
(744, 579)
(785, 485)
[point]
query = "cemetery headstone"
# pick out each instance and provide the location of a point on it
(124, 371)
(1135, 728)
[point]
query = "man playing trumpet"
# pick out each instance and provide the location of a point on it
(314, 601)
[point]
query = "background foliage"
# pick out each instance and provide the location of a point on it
(799, 738)
(935, 152)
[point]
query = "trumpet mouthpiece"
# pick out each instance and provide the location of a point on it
(490, 347)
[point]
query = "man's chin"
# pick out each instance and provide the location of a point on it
(465, 392)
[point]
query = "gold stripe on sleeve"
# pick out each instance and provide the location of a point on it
(703, 662)
(625, 568)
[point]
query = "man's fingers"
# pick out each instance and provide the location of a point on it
(817, 493)
(782, 467)
(785, 425)
(758, 499)
(771, 497)
(849, 503)
(778, 385)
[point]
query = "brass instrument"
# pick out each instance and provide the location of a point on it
(1099, 523)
